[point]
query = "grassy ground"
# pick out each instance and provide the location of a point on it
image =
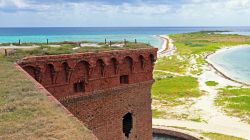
(157, 114)
(170, 91)
(27, 114)
(170, 88)
(203, 42)
(68, 49)
(211, 83)
(158, 75)
(235, 101)
(172, 64)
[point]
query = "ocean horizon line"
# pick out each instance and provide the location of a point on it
(123, 26)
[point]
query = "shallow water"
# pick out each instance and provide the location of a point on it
(234, 62)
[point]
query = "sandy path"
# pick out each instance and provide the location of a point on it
(215, 120)
(215, 117)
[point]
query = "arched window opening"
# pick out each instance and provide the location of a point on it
(129, 62)
(79, 86)
(81, 70)
(65, 69)
(152, 59)
(114, 65)
(51, 70)
(141, 61)
(37, 74)
(100, 67)
(127, 124)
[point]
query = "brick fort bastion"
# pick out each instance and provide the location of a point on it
(109, 91)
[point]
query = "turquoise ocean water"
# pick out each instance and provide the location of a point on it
(142, 34)
(234, 62)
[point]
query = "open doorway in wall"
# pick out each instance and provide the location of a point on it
(79, 86)
(124, 79)
(127, 124)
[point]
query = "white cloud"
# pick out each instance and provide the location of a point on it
(13, 4)
(193, 12)
(144, 9)
(21, 5)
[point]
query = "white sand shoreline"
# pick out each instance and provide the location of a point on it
(220, 69)
(167, 48)
(164, 44)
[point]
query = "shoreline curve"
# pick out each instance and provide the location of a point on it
(218, 69)
(167, 48)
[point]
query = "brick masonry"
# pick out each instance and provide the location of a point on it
(100, 88)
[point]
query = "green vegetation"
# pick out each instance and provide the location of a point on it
(158, 75)
(157, 114)
(68, 49)
(216, 136)
(197, 119)
(197, 72)
(200, 60)
(170, 86)
(195, 46)
(27, 114)
(211, 83)
(172, 64)
(190, 46)
(235, 101)
(171, 89)
(206, 41)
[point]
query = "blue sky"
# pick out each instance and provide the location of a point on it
(92, 13)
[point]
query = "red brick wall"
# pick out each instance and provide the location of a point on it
(105, 101)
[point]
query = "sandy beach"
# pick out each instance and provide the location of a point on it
(167, 48)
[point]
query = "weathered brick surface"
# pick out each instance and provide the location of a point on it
(104, 101)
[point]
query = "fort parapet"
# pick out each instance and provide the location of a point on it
(109, 91)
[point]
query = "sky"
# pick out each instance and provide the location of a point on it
(123, 13)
